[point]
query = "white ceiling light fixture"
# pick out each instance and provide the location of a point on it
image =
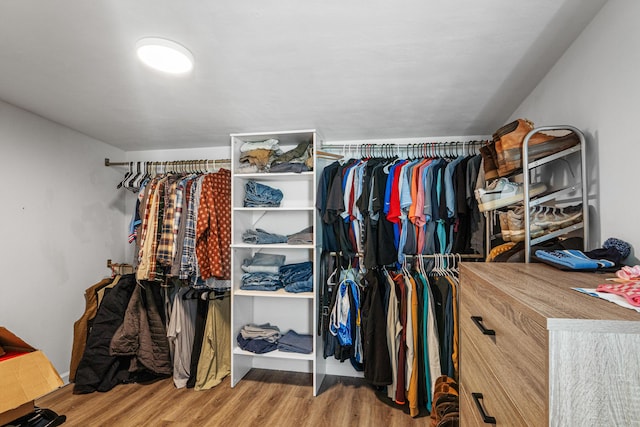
(164, 55)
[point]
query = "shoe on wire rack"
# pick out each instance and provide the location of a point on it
(502, 192)
(504, 226)
(489, 161)
(509, 140)
(515, 218)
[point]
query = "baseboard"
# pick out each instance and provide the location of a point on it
(65, 377)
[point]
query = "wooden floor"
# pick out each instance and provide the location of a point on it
(262, 398)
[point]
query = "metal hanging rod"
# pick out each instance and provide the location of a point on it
(108, 162)
(412, 148)
(456, 255)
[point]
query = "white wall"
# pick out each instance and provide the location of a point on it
(61, 219)
(595, 86)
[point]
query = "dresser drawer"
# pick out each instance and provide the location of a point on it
(476, 377)
(517, 352)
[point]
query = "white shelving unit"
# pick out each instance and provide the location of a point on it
(286, 310)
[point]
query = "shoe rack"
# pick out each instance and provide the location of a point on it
(575, 183)
(556, 195)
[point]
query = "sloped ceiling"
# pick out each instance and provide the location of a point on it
(352, 69)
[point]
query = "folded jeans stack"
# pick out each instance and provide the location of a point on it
(260, 195)
(259, 339)
(297, 277)
(263, 263)
(260, 281)
(296, 343)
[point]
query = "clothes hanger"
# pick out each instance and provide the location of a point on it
(126, 175)
(129, 185)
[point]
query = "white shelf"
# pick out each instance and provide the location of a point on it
(275, 176)
(276, 354)
(280, 209)
(280, 293)
(271, 246)
(288, 310)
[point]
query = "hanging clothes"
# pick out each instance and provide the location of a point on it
(182, 228)
(388, 208)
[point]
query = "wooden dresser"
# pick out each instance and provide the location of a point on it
(534, 352)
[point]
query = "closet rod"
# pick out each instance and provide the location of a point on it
(412, 148)
(108, 162)
(462, 256)
(407, 142)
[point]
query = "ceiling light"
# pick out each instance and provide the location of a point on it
(164, 55)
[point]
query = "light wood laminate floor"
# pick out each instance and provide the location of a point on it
(262, 398)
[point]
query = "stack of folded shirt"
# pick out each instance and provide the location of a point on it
(259, 339)
(296, 343)
(261, 195)
(297, 160)
(257, 156)
(297, 277)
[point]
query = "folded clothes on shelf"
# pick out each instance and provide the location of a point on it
(265, 331)
(263, 263)
(289, 167)
(262, 237)
(267, 144)
(297, 277)
(259, 339)
(261, 281)
(302, 237)
(296, 343)
(260, 195)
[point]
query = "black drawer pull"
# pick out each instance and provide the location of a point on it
(478, 321)
(486, 418)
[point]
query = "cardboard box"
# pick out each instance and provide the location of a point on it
(23, 378)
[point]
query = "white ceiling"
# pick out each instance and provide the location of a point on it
(352, 69)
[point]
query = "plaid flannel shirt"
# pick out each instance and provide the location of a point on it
(164, 254)
(189, 264)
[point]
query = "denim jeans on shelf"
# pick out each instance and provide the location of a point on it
(267, 263)
(261, 195)
(261, 282)
(292, 273)
(261, 237)
(256, 346)
(296, 343)
(300, 286)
